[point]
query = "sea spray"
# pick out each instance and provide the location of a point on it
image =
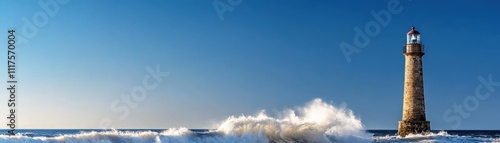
(317, 121)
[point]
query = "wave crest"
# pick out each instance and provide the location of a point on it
(317, 121)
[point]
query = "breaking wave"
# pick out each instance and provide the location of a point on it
(317, 121)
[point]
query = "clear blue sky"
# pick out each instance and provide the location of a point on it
(264, 55)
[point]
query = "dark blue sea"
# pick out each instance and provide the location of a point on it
(214, 136)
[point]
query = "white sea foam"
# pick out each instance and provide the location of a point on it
(88, 137)
(440, 137)
(317, 121)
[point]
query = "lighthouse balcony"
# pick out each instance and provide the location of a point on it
(413, 49)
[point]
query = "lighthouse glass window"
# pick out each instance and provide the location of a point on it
(413, 38)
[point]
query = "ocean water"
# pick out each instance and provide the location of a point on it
(315, 122)
(212, 136)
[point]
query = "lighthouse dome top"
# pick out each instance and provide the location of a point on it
(413, 31)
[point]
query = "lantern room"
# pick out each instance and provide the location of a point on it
(413, 37)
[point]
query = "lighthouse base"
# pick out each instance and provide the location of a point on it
(413, 127)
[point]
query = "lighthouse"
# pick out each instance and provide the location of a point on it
(413, 120)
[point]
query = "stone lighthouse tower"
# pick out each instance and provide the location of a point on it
(413, 105)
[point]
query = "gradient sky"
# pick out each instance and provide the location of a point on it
(267, 55)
